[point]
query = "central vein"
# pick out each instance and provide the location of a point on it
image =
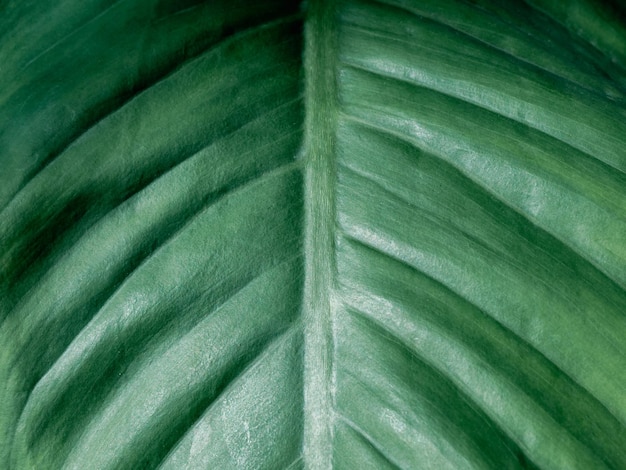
(320, 122)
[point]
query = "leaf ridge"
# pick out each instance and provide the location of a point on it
(607, 161)
(280, 337)
(141, 91)
(211, 197)
(536, 245)
(506, 24)
(92, 199)
(502, 254)
(273, 344)
(50, 322)
(531, 220)
(137, 323)
(358, 284)
(183, 225)
(286, 168)
(352, 238)
(429, 387)
(297, 463)
(369, 440)
(513, 441)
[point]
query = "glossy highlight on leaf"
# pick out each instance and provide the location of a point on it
(342, 234)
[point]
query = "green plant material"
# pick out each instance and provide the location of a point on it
(348, 234)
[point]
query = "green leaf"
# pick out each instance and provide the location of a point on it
(346, 234)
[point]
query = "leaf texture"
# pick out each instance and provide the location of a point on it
(346, 234)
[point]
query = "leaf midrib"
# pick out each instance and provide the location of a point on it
(320, 62)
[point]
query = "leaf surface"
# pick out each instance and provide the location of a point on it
(352, 234)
